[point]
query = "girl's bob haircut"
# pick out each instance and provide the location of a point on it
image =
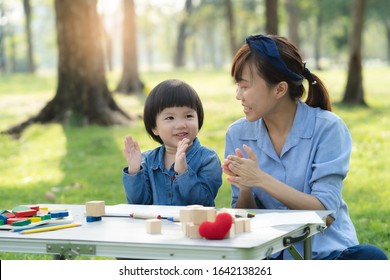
(170, 93)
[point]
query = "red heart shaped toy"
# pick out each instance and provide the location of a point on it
(218, 229)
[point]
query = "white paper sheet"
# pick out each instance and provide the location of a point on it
(292, 218)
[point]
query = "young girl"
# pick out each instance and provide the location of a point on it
(180, 171)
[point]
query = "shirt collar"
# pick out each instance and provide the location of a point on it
(302, 128)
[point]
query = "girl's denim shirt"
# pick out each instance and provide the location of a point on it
(155, 184)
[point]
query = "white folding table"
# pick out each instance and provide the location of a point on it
(125, 237)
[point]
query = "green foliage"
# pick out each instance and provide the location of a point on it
(70, 165)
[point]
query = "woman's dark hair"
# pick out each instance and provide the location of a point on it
(167, 94)
(317, 94)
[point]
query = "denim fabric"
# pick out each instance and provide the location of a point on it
(314, 160)
(359, 252)
(155, 184)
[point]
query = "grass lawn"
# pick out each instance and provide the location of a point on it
(71, 165)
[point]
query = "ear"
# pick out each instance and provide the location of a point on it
(281, 89)
(155, 131)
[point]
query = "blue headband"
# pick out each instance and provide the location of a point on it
(267, 49)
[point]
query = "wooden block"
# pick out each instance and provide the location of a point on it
(186, 215)
(90, 219)
(59, 214)
(34, 207)
(25, 213)
(239, 225)
(10, 221)
(44, 217)
(35, 219)
(192, 231)
(247, 224)
(203, 214)
(153, 226)
(231, 232)
(232, 212)
(3, 218)
(9, 215)
(194, 206)
(95, 208)
(20, 208)
(23, 222)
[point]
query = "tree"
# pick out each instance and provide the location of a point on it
(82, 91)
(178, 60)
(271, 15)
(293, 18)
(378, 10)
(30, 57)
(130, 81)
(354, 92)
(2, 39)
(231, 26)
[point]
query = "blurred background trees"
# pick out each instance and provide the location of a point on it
(320, 28)
(148, 35)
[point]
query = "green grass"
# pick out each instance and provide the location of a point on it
(80, 164)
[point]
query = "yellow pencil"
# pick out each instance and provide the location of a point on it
(50, 228)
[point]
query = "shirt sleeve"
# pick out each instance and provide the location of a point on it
(137, 187)
(200, 186)
(331, 164)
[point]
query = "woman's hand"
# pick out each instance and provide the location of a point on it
(133, 155)
(242, 172)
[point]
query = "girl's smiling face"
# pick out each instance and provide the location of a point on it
(175, 123)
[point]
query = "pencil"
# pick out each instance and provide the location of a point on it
(39, 226)
(50, 228)
(145, 216)
(172, 219)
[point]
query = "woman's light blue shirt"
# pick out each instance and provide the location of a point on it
(314, 160)
(155, 184)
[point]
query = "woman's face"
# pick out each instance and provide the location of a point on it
(257, 98)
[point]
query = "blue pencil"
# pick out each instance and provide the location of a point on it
(172, 219)
(38, 226)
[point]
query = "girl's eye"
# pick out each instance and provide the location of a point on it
(190, 116)
(169, 118)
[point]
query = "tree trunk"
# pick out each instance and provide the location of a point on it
(11, 36)
(317, 41)
(354, 93)
(30, 57)
(82, 91)
(130, 81)
(231, 26)
(3, 59)
(387, 26)
(178, 60)
(293, 17)
(271, 15)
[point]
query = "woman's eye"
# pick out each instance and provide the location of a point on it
(241, 86)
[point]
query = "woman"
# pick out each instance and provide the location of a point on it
(286, 153)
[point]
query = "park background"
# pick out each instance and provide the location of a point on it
(60, 56)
